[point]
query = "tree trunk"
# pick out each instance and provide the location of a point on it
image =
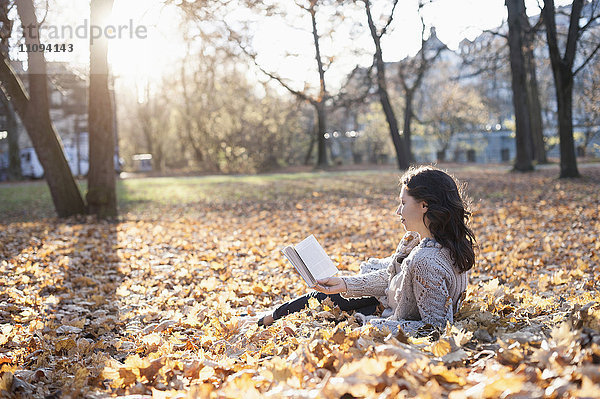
(33, 109)
(535, 111)
(442, 152)
(402, 154)
(563, 82)
(321, 129)
(533, 97)
(14, 158)
(101, 195)
(188, 119)
(564, 97)
(517, 66)
(408, 114)
(313, 139)
(320, 103)
(399, 142)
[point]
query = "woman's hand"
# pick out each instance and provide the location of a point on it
(331, 285)
(410, 240)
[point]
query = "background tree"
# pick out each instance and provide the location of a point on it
(402, 149)
(484, 66)
(523, 141)
(101, 196)
(212, 108)
(322, 96)
(564, 70)
(485, 60)
(452, 107)
(411, 72)
(14, 159)
(534, 107)
(33, 109)
(587, 99)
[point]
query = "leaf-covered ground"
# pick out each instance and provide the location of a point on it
(152, 304)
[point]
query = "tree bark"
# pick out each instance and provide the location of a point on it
(320, 102)
(564, 97)
(423, 65)
(533, 97)
(407, 133)
(188, 118)
(101, 195)
(14, 158)
(33, 109)
(517, 66)
(562, 70)
(321, 129)
(400, 145)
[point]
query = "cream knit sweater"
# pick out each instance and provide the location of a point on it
(418, 285)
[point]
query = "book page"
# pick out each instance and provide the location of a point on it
(315, 258)
(291, 255)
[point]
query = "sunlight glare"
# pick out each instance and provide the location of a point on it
(146, 57)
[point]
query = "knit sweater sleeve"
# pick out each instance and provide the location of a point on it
(368, 284)
(374, 264)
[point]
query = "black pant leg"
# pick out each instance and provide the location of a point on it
(366, 305)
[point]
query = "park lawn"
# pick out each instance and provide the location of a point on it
(31, 200)
(151, 303)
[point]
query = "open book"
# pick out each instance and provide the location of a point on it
(311, 260)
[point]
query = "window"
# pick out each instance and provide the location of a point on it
(471, 155)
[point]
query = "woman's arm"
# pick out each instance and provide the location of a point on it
(375, 281)
(369, 284)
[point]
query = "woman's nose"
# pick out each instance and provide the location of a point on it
(399, 210)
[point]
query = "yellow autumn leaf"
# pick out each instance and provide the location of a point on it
(441, 348)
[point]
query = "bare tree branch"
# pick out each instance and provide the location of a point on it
(587, 60)
(496, 33)
(343, 100)
(389, 21)
(252, 56)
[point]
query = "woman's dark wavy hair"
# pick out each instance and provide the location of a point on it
(447, 213)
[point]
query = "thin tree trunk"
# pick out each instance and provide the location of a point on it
(14, 152)
(33, 109)
(101, 195)
(535, 111)
(517, 66)
(399, 143)
(533, 97)
(320, 102)
(321, 129)
(187, 119)
(313, 139)
(14, 158)
(402, 152)
(408, 114)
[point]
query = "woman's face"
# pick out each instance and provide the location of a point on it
(411, 212)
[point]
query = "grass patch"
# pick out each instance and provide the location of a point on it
(31, 200)
(163, 196)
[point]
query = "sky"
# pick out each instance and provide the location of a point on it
(147, 58)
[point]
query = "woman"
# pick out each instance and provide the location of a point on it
(422, 284)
